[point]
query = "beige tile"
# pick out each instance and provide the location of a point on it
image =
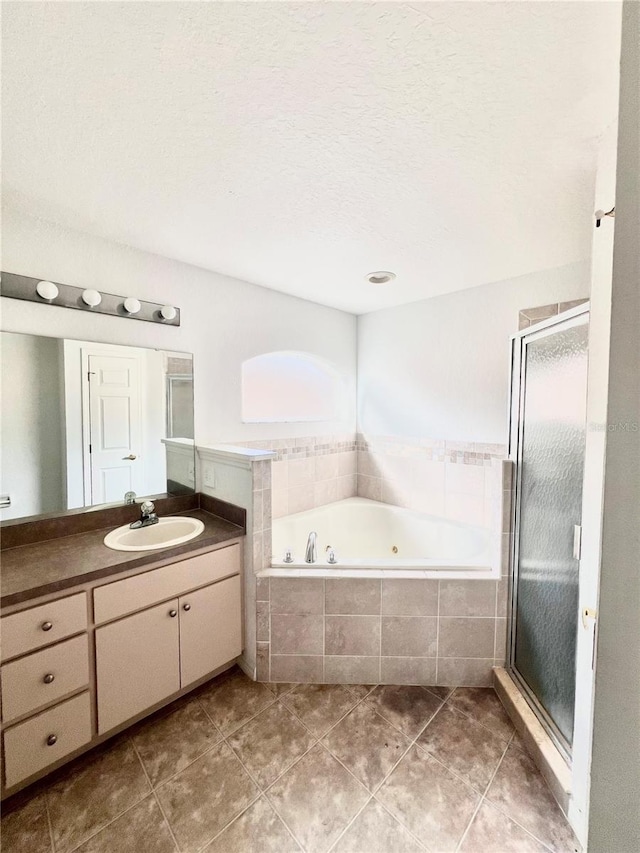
(500, 649)
(347, 487)
(352, 596)
(297, 668)
(325, 492)
(262, 589)
(200, 801)
(262, 621)
(467, 598)
(468, 749)
(169, 743)
(326, 467)
(352, 635)
(266, 509)
(407, 670)
(429, 800)
(406, 597)
(257, 510)
(262, 661)
(502, 598)
(318, 819)
(492, 831)
(280, 503)
(304, 596)
(257, 546)
(408, 708)
(93, 794)
(142, 829)
(347, 669)
(302, 472)
(279, 475)
(296, 635)
(301, 498)
(366, 744)
(464, 479)
(320, 706)
(375, 831)
(572, 303)
(280, 688)
(368, 464)
(257, 829)
(483, 705)
(25, 829)
(270, 743)
(234, 700)
(470, 672)
(369, 487)
(347, 464)
(409, 636)
(520, 792)
(505, 517)
(506, 550)
(466, 638)
(541, 312)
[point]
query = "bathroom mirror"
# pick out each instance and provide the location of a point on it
(84, 422)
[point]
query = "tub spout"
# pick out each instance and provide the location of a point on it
(311, 555)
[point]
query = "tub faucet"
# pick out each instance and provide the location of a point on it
(311, 555)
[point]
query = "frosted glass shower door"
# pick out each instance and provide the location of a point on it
(550, 455)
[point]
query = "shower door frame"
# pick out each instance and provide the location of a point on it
(567, 319)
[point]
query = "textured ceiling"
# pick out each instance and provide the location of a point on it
(303, 145)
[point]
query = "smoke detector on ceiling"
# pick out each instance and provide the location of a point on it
(380, 277)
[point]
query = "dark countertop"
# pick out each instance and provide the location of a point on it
(29, 571)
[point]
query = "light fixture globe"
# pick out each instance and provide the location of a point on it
(131, 305)
(91, 298)
(168, 312)
(47, 290)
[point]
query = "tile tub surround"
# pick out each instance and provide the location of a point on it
(457, 480)
(389, 631)
(306, 768)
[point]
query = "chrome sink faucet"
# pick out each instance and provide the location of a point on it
(147, 516)
(311, 554)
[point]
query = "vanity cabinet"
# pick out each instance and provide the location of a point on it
(77, 668)
(149, 655)
(41, 670)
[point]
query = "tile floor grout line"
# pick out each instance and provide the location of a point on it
(482, 797)
(349, 823)
(155, 796)
(419, 842)
(469, 716)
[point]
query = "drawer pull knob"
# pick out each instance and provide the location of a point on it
(52, 740)
(47, 626)
(187, 607)
(173, 613)
(49, 677)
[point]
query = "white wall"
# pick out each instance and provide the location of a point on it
(614, 817)
(31, 429)
(440, 368)
(224, 320)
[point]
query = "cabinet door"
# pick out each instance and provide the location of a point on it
(137, 663)
(210, 629)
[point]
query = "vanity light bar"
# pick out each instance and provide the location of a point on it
(67, 296)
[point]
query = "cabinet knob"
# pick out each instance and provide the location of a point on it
(47, 626)
(52, 740)
(173, 613)
(49, 677)
(187, 607)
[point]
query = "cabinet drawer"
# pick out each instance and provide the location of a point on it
(44, 676)
(22, 632)
(140, 591)
(26, 746)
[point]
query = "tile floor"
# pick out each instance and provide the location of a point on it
(241, 767)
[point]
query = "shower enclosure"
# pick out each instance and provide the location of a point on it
(547, 443)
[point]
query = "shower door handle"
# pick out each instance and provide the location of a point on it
(577, 541)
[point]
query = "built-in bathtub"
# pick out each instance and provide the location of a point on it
(374, 539)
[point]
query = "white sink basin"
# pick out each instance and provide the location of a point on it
(169, 531)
